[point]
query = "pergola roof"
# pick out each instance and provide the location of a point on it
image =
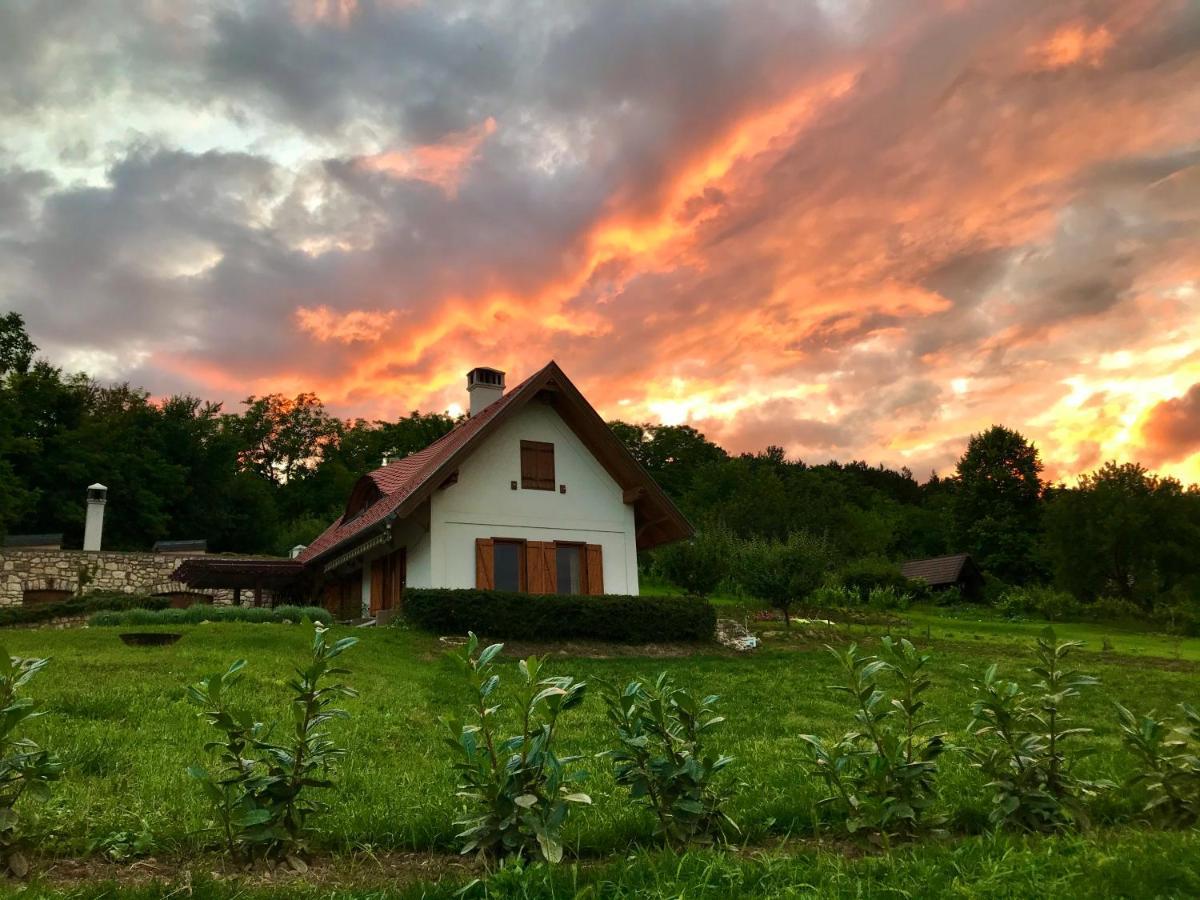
(216, 572)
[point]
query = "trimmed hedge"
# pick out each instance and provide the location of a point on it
(611, 617)
(78, 606)
(197, 613)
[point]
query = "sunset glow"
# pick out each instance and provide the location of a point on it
(859, 233)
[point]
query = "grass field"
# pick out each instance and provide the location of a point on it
(118, 717)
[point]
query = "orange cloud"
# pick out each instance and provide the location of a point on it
(359, 325)
(442, 164)
(1073, 45)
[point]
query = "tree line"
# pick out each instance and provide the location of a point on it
(276, 471)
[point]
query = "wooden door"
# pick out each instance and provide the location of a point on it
(387, 582)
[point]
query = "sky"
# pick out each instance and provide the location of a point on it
(854, 229)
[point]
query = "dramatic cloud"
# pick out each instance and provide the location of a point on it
(855, 230)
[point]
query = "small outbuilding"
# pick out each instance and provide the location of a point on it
(33, 541)
(941, 572)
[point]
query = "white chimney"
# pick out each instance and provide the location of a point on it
(484, 387)
(93, 528)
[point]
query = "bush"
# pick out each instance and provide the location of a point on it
(1022, 743)
(888, 598)
(202, 612)
(1169, 752)
(24, 767)
(518, 791)
(883, 775)
(663, 760)
(259, 790)
(700, 564)
(866, 575)
(610, 617)
(78, 606)
(1044, 602)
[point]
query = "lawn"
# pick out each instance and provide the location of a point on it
(119, 718)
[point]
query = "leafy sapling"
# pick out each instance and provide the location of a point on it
(883, 775)
(25, 768)
(518, 791)
(1169, 755)
(258, 788)
(1023, 744)
(663, 758)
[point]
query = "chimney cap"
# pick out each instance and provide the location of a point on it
(97, 487)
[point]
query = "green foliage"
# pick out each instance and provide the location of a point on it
(883, 775)
(1033, 600)
(661, 757)
(610, 617)
(79, 606)
(700, 564)
(1169, 754)
(517, 789)
(784, 573)
(260, 790)
(204, 612)
(25, 768)
(997, 503)
(1124, 532)
(864, 575)
(1022, 742)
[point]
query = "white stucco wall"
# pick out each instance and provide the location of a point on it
(483, 504)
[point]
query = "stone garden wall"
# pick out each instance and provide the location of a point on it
(84, 573)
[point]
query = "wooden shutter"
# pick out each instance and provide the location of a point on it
(549, 568)
(377, 579)
(484, 568)
(537, 465)
(594, 570)
(535, 571)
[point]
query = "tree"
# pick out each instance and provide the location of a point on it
(1123, 531)
(672, 454)
(16, 349)
(997, 503)
(783, 573)
(283, 437)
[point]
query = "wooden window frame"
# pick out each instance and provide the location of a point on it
(581, 548)
(534, 476)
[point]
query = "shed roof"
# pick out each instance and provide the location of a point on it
(196, 546)
(33, 540)
(938, 570)
(399, 487)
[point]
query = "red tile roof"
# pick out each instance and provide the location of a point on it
(399, 482)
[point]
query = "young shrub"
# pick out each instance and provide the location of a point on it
(25, 768)
(783, 573)
(700, 564)
(258, 789)
(1022, 743)
(663, 759)
(1169, 752)
(883, 775)
(519, 791)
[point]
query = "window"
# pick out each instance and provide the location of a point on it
(509, 565)
(568, 563)
(537, 466)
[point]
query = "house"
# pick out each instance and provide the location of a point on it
(940, 572)
(533, 492)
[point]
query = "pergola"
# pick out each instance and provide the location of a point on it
(276, 575)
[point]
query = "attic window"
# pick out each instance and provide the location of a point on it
(537, 466)
(364, 494)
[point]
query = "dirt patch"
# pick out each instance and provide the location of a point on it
(392, 868)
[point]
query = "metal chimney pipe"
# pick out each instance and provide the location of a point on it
(93, 528)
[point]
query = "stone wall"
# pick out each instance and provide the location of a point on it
(82, 572)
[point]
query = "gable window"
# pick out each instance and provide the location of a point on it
(537, 466)
(568, 565)
(508, 565)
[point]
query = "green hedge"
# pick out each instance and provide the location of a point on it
(611, 617)
(79, 606)
(198, 613)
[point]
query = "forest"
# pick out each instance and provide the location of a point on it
(276, 471)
